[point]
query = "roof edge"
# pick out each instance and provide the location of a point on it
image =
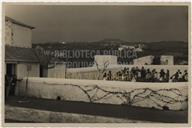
(17, 61)
(18, 23)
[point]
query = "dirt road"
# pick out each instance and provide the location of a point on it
(106, 110)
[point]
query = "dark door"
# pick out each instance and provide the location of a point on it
(10, 80)
(10, 69)
(41, 71)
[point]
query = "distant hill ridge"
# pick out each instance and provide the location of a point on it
(178, 49)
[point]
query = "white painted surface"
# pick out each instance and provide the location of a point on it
(167, 60)
(18, 36)
(109, 92)
(8, 33)
(21, 70)
(138, 50)
(102, 59)
(21, 36)
(57, 72)
(143, 60)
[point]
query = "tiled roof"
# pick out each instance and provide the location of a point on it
(17, 54)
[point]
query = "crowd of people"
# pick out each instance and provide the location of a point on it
(136, 74)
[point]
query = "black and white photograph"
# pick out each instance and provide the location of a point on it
(96, 63)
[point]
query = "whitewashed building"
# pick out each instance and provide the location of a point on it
(57, 70)
(167, 60)
(20, 58)
(146, 60)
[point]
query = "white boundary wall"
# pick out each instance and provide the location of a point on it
(172, 96)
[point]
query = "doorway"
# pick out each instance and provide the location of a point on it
(10, 79)
(43, 71)
(10, 69)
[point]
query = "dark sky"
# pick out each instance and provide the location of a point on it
(91, 23)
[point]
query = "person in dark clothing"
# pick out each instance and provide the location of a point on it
(162, 75)
(167, 76)
(118, 75)
(137, 74)
(148, 75)
(137, 69)
(124, 70)
(153, 75)
(175, 77)
(133, 71)
(156, 77)
(6, 86)
(180, 78)
(8, 81)
(143, 74)
(185, 76)
(13, 84)
(127, 74)
(109, 75)
(105, 76)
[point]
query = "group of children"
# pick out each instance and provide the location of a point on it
(136, 74)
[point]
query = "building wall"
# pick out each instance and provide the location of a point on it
(18, 36)
(167, 60)
(143, 60)
(57, 72)
(22, 70)
(91, 75)
(8, 33)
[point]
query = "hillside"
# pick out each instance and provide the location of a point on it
(178, 49)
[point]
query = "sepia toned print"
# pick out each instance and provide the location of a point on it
(96, 64)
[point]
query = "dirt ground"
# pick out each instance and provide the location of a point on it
(105, 110)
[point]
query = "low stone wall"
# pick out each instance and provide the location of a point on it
(172, 96)
(92, 73)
